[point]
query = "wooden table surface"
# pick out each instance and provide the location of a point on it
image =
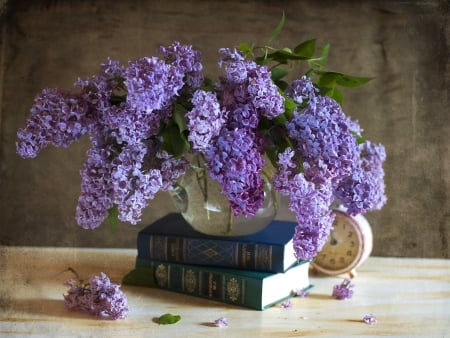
(409, 297)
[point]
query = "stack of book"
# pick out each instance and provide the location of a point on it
(255, 271)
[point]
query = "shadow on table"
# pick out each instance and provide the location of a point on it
(22, 310)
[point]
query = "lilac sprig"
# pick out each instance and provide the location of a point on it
(369, 319)
(205, 120)
(236, 162)
(99, 297)
(363, 190)
(57, 118)
(344, 290)
(322, 138)
(309, 202)
(221, 322)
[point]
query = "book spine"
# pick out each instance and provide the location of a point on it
(201, 251)
(198, 281)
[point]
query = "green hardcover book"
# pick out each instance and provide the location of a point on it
(252, 289)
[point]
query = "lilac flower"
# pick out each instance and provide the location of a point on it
(363, 190)
(221, 322)
(344, 290)
(301, 90)
(314, 219)
(229, 55)
(286, 171)
(248, 87)
(287, 304)
(243, 116)
(170, 168)
(324, 141)
(205, 120)
(132, 186)
(57, 117)
(96, 196)
(112, 69)
(369, 319)
(265, 96)
(100, 297)
(302, 292)
(310, 203)
(185, 62)
(235, 161)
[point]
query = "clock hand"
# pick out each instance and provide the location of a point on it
(333, 240)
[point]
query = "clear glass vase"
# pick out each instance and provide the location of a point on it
(199, 199)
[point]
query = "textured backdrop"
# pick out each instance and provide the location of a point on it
(405, 45)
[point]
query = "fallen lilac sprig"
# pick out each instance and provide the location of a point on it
(98, 297)
(302, 292)
(369, 319)
(344, 290)
(287, 304)
(221, 322)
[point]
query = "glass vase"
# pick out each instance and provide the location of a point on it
(199, 199)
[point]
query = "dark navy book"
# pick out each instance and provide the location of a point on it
(172, 239)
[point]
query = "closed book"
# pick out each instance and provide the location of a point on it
(252, 289)
(172, 239)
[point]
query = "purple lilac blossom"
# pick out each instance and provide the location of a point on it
(132, 187)
(96, 196)
(301, 90)
(148, 85)
(229, 55)
(287, 304)
(100, 297)
(363, 190)
(265, 96)
(205, 120)
(303, 293)
(310, 203)
(247, 84)
(57, 118)
(243, 116)
(221, 322)
(170, 168)
(344, 290)
(185, 62)
(369, 319)
(322, 137)
(235, 161)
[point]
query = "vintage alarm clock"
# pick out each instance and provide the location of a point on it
(348, 246)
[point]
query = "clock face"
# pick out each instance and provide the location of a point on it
(343, 249)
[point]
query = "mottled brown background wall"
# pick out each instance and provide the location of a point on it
(404, 44)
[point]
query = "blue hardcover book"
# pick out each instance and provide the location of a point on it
(172, 239)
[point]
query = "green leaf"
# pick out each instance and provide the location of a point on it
(179, 117)
(278, 73)
(306, 49)
(327, 79)
(337, 95)
(113, 218)
(245, 49)
(277, 29)
(140, 277)
(352, 81)
(289, 107)
(175, 133)
(322, 60)
(283, 85)
(174, 141)
(284, 55)
(169, 319)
